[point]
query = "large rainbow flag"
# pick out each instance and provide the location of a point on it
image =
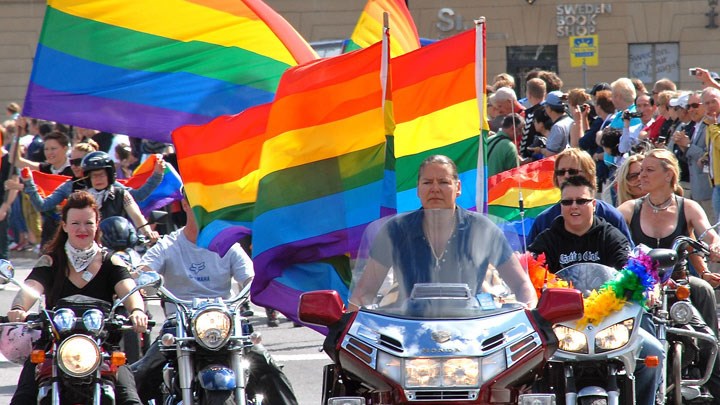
(144, 68)
(531, 182)
(369, 28)
(220, 162)
(321, 176)
(437, 112)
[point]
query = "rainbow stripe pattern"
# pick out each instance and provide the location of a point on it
(534, 182)
(436, 112)
(369, 28)
(321, 176)
(144, 68)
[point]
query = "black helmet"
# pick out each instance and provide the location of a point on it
(118, 233)
(99, 160)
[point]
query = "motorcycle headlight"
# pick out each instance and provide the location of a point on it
(681, 312)
(93, 319)
(570, 340)
(615, 336)
(78, 356)
(212, 328)
(423, 373)
(493, 365)
(64, 320)
(463, 372)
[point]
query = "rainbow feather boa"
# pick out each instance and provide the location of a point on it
(639, 276)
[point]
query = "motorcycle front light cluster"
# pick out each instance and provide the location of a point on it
(615, 336)
(681, 312)
(64, 320)
(78, 356)
(211, 328)
(440, 372)
(570, 340)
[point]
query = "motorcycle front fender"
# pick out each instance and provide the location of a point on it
(217, 378)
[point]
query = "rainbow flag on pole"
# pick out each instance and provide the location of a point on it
(369, 28)
(436, 112)
(146, 67)
(321, 176)
(220, 162)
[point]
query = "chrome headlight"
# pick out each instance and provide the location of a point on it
(64, 320)
(93, 319)
(615, 336)
(570, 340)
(423, 373)
(211, 328)
(681, 312)
(78, 356)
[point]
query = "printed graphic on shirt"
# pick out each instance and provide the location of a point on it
(579, 257)
(196, 268)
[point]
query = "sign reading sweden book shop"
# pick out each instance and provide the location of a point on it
(584, 49)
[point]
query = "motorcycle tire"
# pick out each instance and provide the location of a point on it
(593, 400)
(217, 398)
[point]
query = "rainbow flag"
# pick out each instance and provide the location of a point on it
(166, 192)
(219, 162)
(321, 176)
(369, 28)
(533, 182)
(144, 68)
(436, 112)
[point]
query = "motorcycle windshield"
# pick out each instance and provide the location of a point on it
(433, 263)
(587, 277)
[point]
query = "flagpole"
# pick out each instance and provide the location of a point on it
(481, 201)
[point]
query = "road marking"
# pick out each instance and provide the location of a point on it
(301, 357)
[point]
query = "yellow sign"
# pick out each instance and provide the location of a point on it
(585, 49)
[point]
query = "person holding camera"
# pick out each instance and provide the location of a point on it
(633, 134)
(559, 135)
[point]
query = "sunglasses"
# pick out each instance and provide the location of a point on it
(75, 162)
(632, 176)
(578, 201)
(694, 105)
(572, 172)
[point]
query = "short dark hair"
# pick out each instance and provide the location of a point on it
(578, 181)
(440, 159)
(513, 120)
(611, 139)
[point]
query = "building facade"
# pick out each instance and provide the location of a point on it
(647, 39)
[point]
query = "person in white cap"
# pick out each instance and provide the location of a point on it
(559, 136)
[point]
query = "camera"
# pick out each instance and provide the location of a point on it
(692, 71)
(584, 108)
(627, 115)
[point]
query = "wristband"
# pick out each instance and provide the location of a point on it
(143, 225)
(137, 309)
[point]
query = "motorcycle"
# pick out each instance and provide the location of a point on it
(691, 346)
(440, 343)
(80, 358)
(204, 345)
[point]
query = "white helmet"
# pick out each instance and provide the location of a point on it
(16, 342)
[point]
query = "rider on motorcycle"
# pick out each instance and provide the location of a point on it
(579, 236)
(464, 237)
(189, 272)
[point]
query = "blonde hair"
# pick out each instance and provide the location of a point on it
(578, 97)
(586, 162)
(670, 163)
(85, 147)
(623, 171)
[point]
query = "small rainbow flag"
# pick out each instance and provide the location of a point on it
(144, 68)
(166, 192)
(369, 28)
(533, 182)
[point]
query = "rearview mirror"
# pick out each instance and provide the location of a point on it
(561, 305)
(7, 271)
(324, 307)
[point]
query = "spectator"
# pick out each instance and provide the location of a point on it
(711, 100)
(580, 110)
(535, 91)
(560, 132)
(501, 150)
(604, 109)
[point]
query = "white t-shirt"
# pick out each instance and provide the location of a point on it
(194, 272)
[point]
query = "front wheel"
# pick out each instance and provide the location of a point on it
(217, 398)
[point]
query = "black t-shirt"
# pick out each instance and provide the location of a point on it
(102, 286)
(47, 168)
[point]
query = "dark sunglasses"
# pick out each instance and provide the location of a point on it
(632, 176)
(75, 162)
(572, 172)
(578, 201)
(694, 105)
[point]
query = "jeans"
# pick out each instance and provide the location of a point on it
(715, 204)
(647, 379)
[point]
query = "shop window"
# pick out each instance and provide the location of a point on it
(328, 48)
(522, 59)
(652, 62)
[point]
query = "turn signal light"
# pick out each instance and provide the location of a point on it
(118, 359)
(652, 361)
(37, 356)
(682, 292)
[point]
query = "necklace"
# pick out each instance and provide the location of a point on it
(80, 259)
(660, 207)
(440, 258)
